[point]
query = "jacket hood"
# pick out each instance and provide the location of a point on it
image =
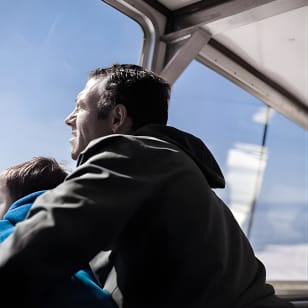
(192, 146)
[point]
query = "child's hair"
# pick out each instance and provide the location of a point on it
(39, 173)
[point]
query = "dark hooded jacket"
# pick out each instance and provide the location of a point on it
(148, 198)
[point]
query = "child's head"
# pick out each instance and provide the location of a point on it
(39, 173)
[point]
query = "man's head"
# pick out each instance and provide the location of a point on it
(39, 173)
(117, 99)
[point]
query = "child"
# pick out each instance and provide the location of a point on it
(20, 185)
(37, 174)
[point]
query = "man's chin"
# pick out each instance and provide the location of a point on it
(74, 155)
(74, 148)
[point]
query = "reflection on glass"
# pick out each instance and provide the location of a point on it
(264, 159)
(280, 228)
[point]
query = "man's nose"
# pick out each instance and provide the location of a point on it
(69, 120)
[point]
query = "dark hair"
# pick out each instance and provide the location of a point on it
(39, 173)
(144, 94)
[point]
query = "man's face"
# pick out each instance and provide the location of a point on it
(5, 199)
(84, 120)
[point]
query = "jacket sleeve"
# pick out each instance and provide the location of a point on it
(69, 225)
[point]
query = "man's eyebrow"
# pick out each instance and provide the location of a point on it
(78, 100)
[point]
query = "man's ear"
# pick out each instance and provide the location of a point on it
(121, 123)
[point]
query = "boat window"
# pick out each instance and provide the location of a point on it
(263, 156)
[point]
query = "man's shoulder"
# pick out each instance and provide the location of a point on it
(120, 143)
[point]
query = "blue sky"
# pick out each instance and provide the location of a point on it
(47, 49)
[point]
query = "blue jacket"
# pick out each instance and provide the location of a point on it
(81, 290)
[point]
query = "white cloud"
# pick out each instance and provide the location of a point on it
(285, 262)
(263, 115)
(246, 164)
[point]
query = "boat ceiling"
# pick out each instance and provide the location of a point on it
(261, 45)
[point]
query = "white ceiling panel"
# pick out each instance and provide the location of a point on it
(277, 47)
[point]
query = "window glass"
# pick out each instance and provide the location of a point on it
(47, 50)
(49, 47)
(280, 228)
(265, 165)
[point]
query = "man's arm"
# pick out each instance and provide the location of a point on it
(70, 224)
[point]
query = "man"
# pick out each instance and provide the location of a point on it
(142, 190)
